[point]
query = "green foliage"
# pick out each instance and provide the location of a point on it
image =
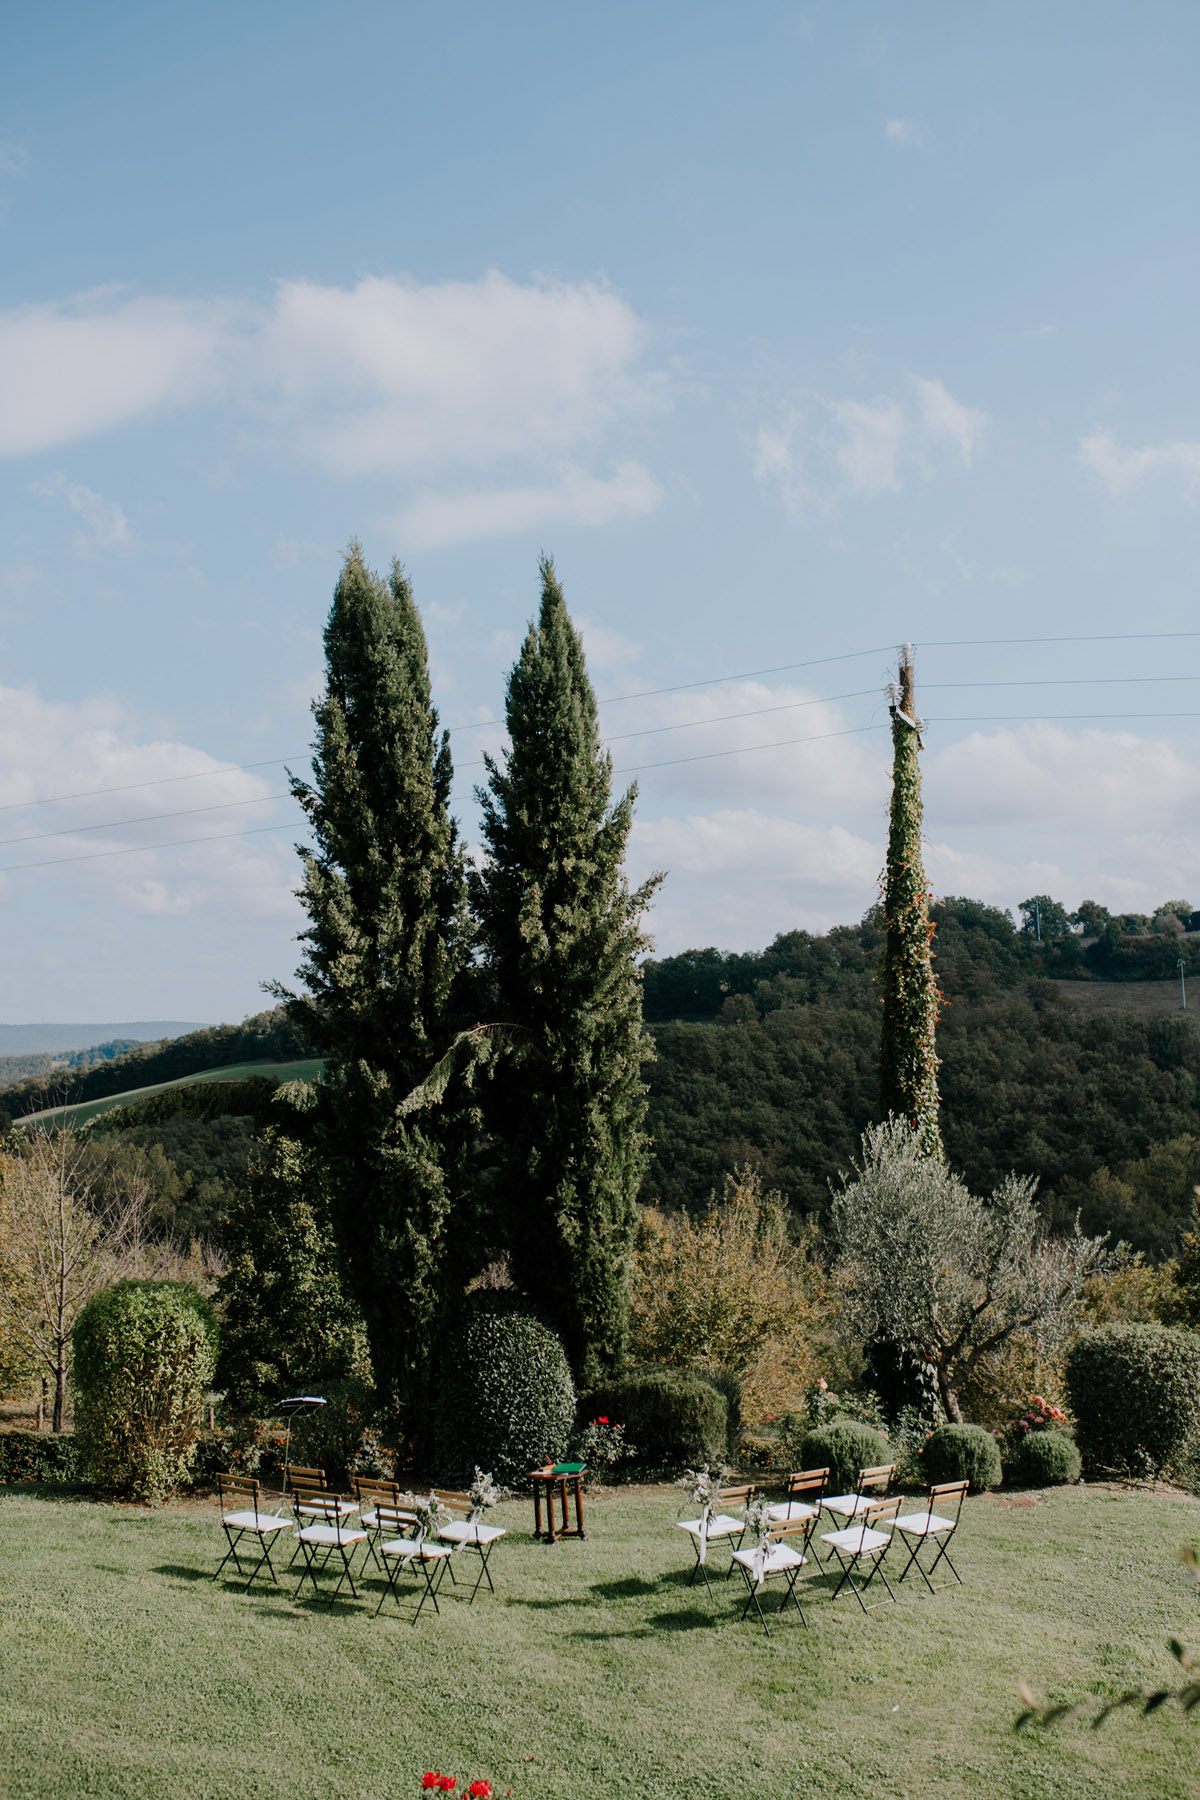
(560, 930)
(262, 1037)
(37, 1456)
(1135, 1394)
(49, 1063)
(1142, 1201)
(385, 949)
(1048, 918)
(845, 1447)
(962, 1453)
(908, 1061)
(1047, 1459)
(145, 1352)
(505, 1400)
(671, 1416)
(288, 1326)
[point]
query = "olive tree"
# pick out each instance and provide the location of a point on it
(924, 1263)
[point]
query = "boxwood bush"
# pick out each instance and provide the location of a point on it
(1135, 1393)
(145, 1352)
(962, 1453)
(505, 1400)
(671, 1416)
(1047, 1459)
(37, 1456)
(846, 1447)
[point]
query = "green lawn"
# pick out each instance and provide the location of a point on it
(594, 1673)
(88, 1109)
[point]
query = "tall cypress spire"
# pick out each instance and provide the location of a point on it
(560, 931)
(385, 946)
(908, 1062)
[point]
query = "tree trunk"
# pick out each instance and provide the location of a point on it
(948, 1396)
(60, 1389)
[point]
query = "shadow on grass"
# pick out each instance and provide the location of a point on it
(186, 1572)
(627, 1589)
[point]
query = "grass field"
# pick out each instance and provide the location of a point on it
(1147, 999)
(88, 1109)
(594, 1673)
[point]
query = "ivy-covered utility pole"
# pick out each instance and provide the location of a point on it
(908, 1061)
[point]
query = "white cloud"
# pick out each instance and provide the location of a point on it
(1122, 470)
(817, 455)
(606, 649)
(105, 524)
(574, 498)
(393, 379)
(50, 749)
(70, 372)
(904, 134)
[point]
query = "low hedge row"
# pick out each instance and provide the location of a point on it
(37, 1456)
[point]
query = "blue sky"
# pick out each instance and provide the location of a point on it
(792, 333)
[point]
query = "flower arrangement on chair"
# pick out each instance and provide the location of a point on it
(430, 1512)
(482, 1493)
(758, 1525)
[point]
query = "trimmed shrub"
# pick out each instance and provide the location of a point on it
(1135, 1394)
(1047, 1459)
(145, 1352)
(962, 1453)
(671, 1416)
(846, 1446)
(505, 1399)
(37, 1456)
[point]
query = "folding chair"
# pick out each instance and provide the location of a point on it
(720, 1525)
(805, 1491)
(321, 1541)
(865, 1543)
(782, 1555)
(370, 1495)
(406, 1553)
(930, 1527)
(252, 1523)
(468, 1533)
(872, 1487)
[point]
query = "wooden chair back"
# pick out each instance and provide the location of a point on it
(880, 1476)
(234, 1487)
(310, 1477)
(736, 1496)
(324, 1508)
(786, 1528)
(880, 1513)
(807, 1482)
(391, 1517)
(454, 1500)
(947, 1494)
(369, 1492)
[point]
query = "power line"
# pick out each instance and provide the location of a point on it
(211, 837)
(185, 812)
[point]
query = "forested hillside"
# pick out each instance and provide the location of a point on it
(267, 1036)
(771, 1059)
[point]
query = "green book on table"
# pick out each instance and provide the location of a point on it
(568, 1468)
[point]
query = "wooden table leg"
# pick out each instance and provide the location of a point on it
(537, 1509)
(579, 1505)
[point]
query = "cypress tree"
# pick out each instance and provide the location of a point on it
(908, 1062)
(385, 947)
(560, 930)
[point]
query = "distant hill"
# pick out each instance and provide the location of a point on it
(20, 1040)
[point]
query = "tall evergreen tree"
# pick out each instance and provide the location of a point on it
(908, 1062)
(385, 947)
(560, 930)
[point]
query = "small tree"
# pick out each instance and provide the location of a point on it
(908, 1060)
(145, 1352)
(926, 1265)
(64, 1235)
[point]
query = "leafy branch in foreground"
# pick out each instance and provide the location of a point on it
(1147, 1698)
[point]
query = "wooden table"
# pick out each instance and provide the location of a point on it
(565, 1480)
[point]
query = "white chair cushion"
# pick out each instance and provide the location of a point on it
(343, 1506)
(924, 1524)
(371, 1519)
(461, 1532)
(330, 1534)
(856, 1538)
(778, 1557)
(848, 1506)
(248, 1521)
(795, 1512)
(720, 1526)
(409, 1548)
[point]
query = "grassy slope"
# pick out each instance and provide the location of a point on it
(1147, 999)
(88, 1109)
(128, 1673)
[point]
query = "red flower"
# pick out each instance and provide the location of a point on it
(430, 1780)
(447, 1783)
(599, 1422)
(480, 1790)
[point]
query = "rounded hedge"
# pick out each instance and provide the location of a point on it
(1135, 1394)
(505, 1400)
(671, 1416)
(145, 1352)
(962, 1453)
(846, 1447)
(1047, 1459)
